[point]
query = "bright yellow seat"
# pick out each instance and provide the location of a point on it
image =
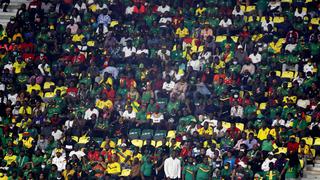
(313, 152)
(263, 19)
(278, 19)
(263, 106)
(250, 8)
(153, 143)
(286, 1)
(226, 124)
(289, 84)
(316, 141)
(315, 21)
(158, 144)
(301, 163)
(308, 118)
(278, 73)
(309, 140)
(288, 74)
(234, 38)
(240, 126)
(282, 150)
(221, 38)
(137, 142)
(125, 172)
(171, 134)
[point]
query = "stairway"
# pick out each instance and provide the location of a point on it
(12, 10)
(312, 172)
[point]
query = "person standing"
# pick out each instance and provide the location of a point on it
(172, 167)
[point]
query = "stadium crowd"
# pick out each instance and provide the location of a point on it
(160, 89)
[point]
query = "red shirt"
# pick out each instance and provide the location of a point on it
(110, 94)
(140, 10)
(79, 59)
(233, 132)
(293, 146)
(73, 91)
(94, 156)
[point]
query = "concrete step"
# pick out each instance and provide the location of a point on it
(317, 161)
(315, 169)
(4, 22)
(5, 15)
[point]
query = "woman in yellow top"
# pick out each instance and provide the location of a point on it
(113, 169)
(68, 172)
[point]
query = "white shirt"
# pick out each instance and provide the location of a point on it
(9, 66)
(255, 58)
(129, 10)
(60, 162)
(156, 118)
(78, 153)
(83, 6)
(57, 135)
(129, 51)
(297, 14)
(290, 47)
(265, 25)
(89, 112)
(307, 68)
(163, 55)
(164, 20)
(225, 24)
(164, 9)
(280, 122)
(168, 86)
(140, 51)
(236, 13)
(68, 124)
(128, 115)
(13, 98)
(219, 132)
(195, 64)
(236, 112)
(265, 164)
(172, 168)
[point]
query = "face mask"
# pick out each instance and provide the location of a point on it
(236, 96)
(235, 62)
(43, 166)
(226, 167)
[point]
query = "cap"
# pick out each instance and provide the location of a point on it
(242, 164)
(270, 153)
(240, 47)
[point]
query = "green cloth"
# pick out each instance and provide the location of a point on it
(21, 161)
(287, 110)
(189, 172)
(292, 172)
(267, 146)
(146, 168)
(173, 105)
(176, 55)
(271, 175)
(314, 48)
(262, 5)
(142, 116)
(302, 124)
(225, 173)
(203, 172)
(248, 110)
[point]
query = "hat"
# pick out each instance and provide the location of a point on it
(123, 145)
(240, 47)
(270, 153)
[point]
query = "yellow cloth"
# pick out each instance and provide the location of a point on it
(182, 32)
(35, 87)
(23, 110)
(47, 85)
(18, 66)
(263, 133)
(305, 150)
(66, 174)
(104, 104)
(123, 155)
(111, 144)
(10, 159)
(113, 168)
(77, 37)
(27, 142)
(276, 47)
(63, 89)
(199, 11)
(203, 131)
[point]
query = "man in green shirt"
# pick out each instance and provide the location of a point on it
(147, 169)
(272, 174)
(203, 170)
(189, 170)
